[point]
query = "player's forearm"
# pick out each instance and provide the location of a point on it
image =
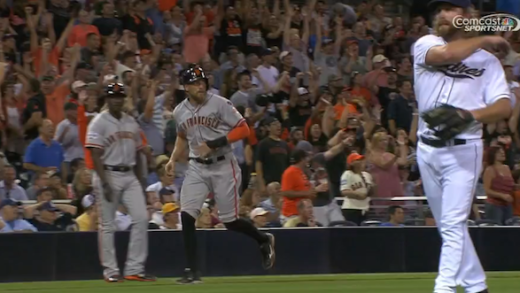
(454, 52)
(179, 149)
(499, 110)
(98, 164)
(236, 134)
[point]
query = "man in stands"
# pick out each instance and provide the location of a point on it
(9, 218)
(396, 214)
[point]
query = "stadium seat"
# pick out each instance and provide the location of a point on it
(342, 224)
(371, 223)
(486, 223)
(514, 221)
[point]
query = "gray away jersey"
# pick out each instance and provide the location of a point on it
(211, 120)
(119, 139)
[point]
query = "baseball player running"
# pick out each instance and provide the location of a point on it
(208, 124)
(114, 141)
(459, 86)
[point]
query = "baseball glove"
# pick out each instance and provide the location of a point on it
(447, 121)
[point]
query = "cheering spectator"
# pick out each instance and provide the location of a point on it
(80, 31)
(196, 38)
(305, 216)
(259, 217)
(107, 24)
(44, 154)
(88, 220)
(9, 218)
(401, 108)
(396, 215)
(9, 188)
(384, 165)
(356, 187)
(296, 185)
(272, 155)
(499, 186)
(67, 135)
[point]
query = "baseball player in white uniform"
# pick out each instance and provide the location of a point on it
(114, 141)
(208, 124)
(458, 86)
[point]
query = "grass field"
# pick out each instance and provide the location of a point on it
(367, 283)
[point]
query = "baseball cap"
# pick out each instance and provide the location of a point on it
(87, 201)
(459, 3)
(268, 120)
(166, 191)
(78, 84)
(47, 78)
(266, 52)
(304, 146)
(70, 106)
(302, 91)
(326, 41)
(258, 212)
(9, 202)
(354, 157)
(48, 206)
(284, 54)
(170, 207)
(379, 58)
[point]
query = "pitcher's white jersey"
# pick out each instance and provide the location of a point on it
(476, 82)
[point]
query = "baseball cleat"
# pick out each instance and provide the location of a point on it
(189, 278)
(141, 278)
(484, 291)
(268, 253)
(114, 279)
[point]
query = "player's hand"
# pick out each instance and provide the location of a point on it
(203, 150)
(497, 45)
(170, 168)
(107, 192)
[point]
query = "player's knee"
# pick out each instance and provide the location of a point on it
(187, 217)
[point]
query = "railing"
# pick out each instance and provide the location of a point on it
(338, 199)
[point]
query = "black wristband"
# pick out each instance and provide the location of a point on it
(217, 143)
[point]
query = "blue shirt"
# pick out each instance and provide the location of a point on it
(42, 155)
(388, 224)
(17, 225)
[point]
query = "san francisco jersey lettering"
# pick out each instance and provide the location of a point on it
(209, 121)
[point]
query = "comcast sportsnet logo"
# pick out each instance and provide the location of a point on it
(488, 23)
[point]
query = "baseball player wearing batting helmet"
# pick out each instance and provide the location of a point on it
(459, 85)
(114, 141)
(208, 124)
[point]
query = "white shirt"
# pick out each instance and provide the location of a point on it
(354, 182)
(476, 82)
(269, 75)
(512, 85)
(123, 221)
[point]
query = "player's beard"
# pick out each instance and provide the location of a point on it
(445, 29)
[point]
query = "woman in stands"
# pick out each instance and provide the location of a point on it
(357, 186)
(499, 186)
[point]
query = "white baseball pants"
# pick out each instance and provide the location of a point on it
(449, 176)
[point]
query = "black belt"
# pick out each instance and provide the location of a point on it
(436, 143)
(208, 161)
(118, 168)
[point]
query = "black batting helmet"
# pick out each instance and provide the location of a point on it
(193, 73)
(115, 90)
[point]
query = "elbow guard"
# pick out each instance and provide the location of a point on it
(217, 143)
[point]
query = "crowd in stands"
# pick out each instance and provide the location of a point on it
(327, 90)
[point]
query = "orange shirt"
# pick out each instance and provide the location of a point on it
(293, 179)
(516, 203)
(196, 45)
(54, 58)
(55, 103)
(338, 109)
(79, 34)
(166, 5)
